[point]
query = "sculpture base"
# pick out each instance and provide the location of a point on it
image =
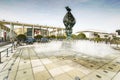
(68, 38)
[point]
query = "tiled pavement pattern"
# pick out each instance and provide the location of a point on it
(28, 64)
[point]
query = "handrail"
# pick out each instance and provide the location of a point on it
(11, 47)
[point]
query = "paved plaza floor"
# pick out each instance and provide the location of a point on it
(25, 63)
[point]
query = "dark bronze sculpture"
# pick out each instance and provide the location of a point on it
(69, 21)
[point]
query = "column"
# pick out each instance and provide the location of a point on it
(40, 33)
(23, 29)
(12, 31)
(63, 32)
(0, 31)
(47, 32)
(33, 31)
(60, 32)
(50, 32)
(53, 32)
(56, 33)
(6, 33)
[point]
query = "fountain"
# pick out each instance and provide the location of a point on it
(74, 48)
(78, 48)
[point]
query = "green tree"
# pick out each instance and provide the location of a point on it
(74, 36)
(53, 36)
(81, 36)
(116, 40)
(97, 38)
(21, 37)
(61, 37)
(105, 36)
(38, 37)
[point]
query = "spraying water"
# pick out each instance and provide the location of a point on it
(75, 47)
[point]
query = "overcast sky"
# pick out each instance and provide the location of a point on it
(101, 15)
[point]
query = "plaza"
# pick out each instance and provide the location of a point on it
(55, 61)
(59, 40)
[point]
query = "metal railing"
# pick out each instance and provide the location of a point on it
(7, 52)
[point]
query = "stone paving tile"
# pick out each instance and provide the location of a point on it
(75, 64)
(107, 73)
(117, 77)
(84, 70)
(95, 76)
(51, 66)
(110, 68)
(56, 71)
(25, 74)
(3, 74)
(82, 62)
(91, 66)
(36, 63)
(66, 68)
(53, 59)
(63, 77)
(61, 62)
(42, 75)
(28, 77)
(24, 64)
(68, 61)
(12, 75)
(75, 72)
(38, 69)
(46, 61)
(2, 65)
(16, 64)
(8, 65)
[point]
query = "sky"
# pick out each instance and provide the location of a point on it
(100, 15)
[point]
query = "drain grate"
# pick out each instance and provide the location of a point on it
(105, 71)
(98, 76)
(91, 66)
(12, 64)
(110, 67)
(118, 62)
(9, 69)
(114, 64)
(24, 72)
(75, 59)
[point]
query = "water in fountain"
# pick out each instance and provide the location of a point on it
(93, 49)
(58, 48)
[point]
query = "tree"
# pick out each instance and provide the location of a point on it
(95, 34)
(105, 36)
(97, 38)
(116, 40)
(74, 36)
(38, 37)
(21, 37)
(81, 36)
(61, 37)
(53, 36)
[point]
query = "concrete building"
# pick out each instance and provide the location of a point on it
(91, 34)
(4, 33)
(31, 30)
(28, 31)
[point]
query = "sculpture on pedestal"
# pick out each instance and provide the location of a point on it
(69, 21)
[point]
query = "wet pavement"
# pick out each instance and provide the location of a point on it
(29, 63)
